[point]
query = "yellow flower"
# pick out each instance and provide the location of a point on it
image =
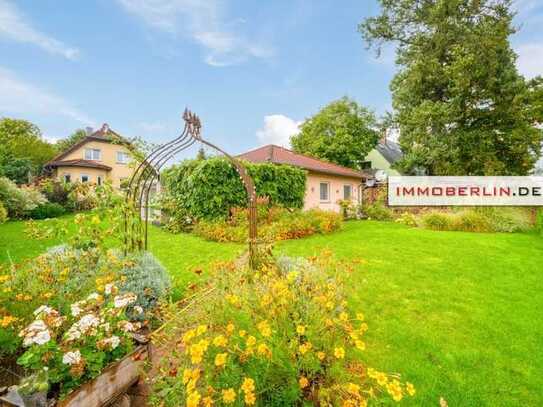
(395, 390)
(4, 278)
(187, 374)
(381, 378)
(248, 385)
(264, 350)
(264, 328)
(202, 329)
(304, 348)
(190, 334)
(250, 399)
(321, 355)
(360, 316)
(230, 328)
(329, 304)
(349, 403)
(220, 341)
(339, 353)
(95, 220)
(7, 321)
(303, 382)
(360, 345)
(229, 396)
(300, 329)
(343, 316)
(220, 359)
(251, 341)
(410, 389)
(242, 333)
(353, 389)
(193, 399)
(208, 401)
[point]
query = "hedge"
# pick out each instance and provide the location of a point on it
(207, 189)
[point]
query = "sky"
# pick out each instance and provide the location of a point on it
(252, 70)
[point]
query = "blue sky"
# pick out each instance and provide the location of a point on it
(252, 70)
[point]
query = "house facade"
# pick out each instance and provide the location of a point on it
(101, 156)
(381, 159)
(327, 183)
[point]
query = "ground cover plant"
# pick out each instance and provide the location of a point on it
(278, 335)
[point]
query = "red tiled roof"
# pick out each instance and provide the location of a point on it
(279, 155)
(78, 163)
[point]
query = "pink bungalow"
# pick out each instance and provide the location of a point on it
(327, 183)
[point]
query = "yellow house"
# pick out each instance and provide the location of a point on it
(100, 156)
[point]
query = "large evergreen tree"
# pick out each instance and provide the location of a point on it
(343, 132)
(461, 106)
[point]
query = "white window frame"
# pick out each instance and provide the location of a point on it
(93, 154)
(84, 175)
(350, 193)
(124, 154)
(321, 183)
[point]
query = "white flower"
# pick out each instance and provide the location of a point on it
(108, 289)
(87, 322)
(138, 309)
(114, 341)
(71, 358)
(76, 309)
(123, 300)
(36, 332)
(45, 309)
(93, 297)
(73, 333)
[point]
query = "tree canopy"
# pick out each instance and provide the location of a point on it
(72, 139)
(460, 104)
(343, 132)
(23, 150)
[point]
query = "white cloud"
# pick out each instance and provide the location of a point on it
(19, 97)
(14, 25)
(203, 22)
(530, 59)
(277, 130)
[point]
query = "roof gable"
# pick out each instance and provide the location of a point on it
(280, 155)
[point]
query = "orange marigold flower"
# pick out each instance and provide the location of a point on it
(303, 382)
(228, 396)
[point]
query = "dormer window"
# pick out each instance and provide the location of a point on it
(92, 154)
(123, 157)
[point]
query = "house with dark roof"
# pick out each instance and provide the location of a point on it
(100, 156)
(380, 160)
(327, 183)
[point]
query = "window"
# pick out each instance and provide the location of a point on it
(99, 180)
(122, 157)
(347, 191)
(92, 154)
(84, 178)
(324, 191)
(67, 178)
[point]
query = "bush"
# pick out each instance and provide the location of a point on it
(3, 213)
(280, 336)
(58, 192)
(378, 211)
(19, 201)
(408, 219)
(437, 220)
(47, 210)
(207, 189)
(145, 277)
(506, 219)
(274, 224)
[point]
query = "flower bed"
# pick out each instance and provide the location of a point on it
(273, 224)
(281, 336)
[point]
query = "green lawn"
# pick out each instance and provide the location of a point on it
(458, 314)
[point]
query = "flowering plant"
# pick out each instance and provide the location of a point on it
(281, 336)
(76, 347)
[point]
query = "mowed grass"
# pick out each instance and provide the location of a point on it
(458, 314)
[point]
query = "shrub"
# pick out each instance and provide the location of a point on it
(19, 201)
(274, 224)
(3, 213)
(83, 196)
(47, 210)
(58, 192)
(280, 336)
(408, 219)
(207, 189)
(144, 276)
(378, 211)
(437, 220)
(506, 219)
